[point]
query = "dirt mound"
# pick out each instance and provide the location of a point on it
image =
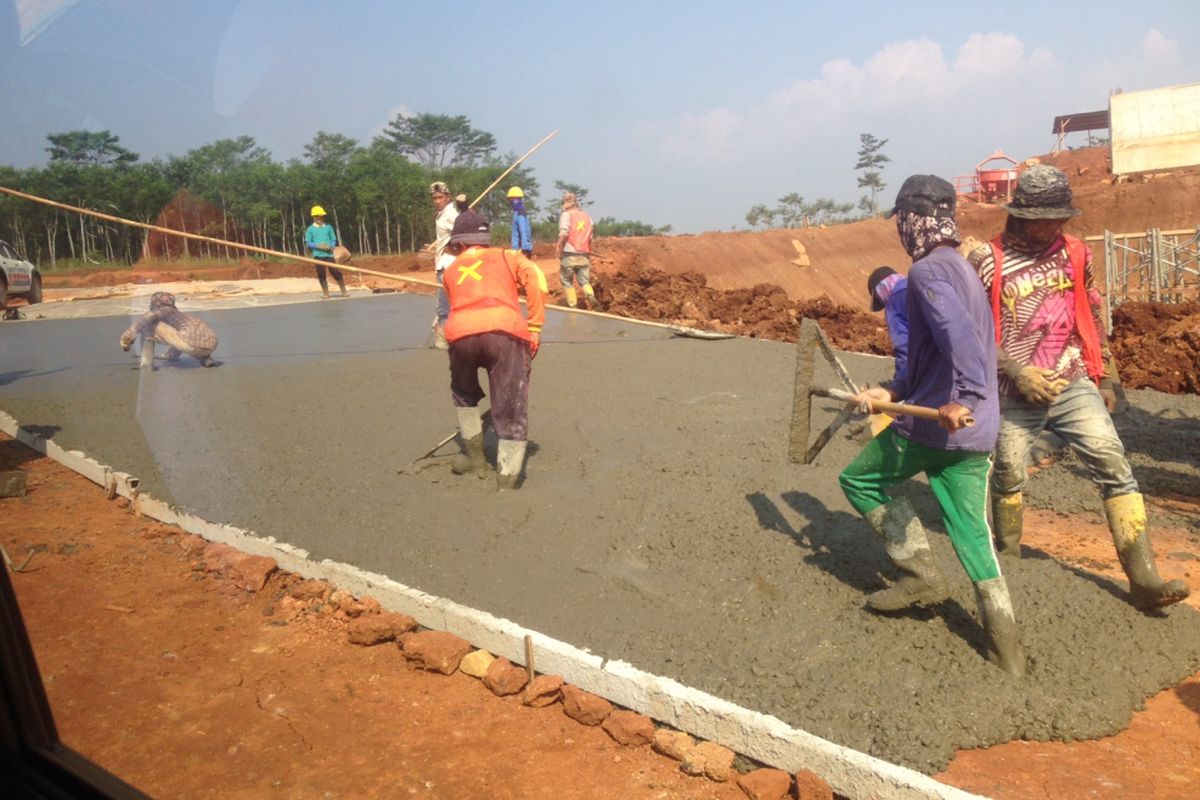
(763, 311)
(1157, 346)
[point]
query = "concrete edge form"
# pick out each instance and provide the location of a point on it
(762, 737)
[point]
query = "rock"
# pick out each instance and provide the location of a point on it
(246, 571)
(434, 651)
(672, 744)
(629, 728)
(543, 690)
(765, 784)
(504, 678)
(378, 628)
(811, 786)
(369, 605)
(710, 760)
(584, 707)
(342, 600)
(311, 590)
(476, 664)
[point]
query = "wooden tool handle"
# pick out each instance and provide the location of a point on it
(896, 409)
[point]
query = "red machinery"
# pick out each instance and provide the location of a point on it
(989, 183)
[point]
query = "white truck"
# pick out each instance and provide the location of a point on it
(18, 278)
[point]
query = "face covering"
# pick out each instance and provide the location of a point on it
(920, 234)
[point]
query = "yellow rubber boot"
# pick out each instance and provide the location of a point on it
(591, 296)
(1008, 520)
(572, 300)
(1127, 522)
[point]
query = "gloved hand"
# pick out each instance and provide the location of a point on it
(535, 341)
(1108, 391)
(1034, 383)
(125, 345)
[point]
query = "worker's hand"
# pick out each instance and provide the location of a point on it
(535, 342)
(953, 416)
(1037, 385)
(867, 398)
(326, 247)
(125, 345)
(1108, 390)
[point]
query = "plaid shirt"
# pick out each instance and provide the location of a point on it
(191, 329)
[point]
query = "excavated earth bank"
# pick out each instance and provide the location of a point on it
(661, 522)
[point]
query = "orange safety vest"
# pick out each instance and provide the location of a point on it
(482, 287)
(1077, 257)
(579, 231)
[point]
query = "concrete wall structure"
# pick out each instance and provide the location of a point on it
(1155, 130)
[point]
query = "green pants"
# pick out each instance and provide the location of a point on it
(959, 479)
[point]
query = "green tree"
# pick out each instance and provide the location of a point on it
(439, 140)
(870, 162)
(88, 148)
(761, 216)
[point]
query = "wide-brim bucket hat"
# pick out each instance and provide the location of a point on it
(1043, 192)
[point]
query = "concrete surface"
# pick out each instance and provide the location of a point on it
(660, 523)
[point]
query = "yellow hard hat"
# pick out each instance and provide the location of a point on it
(317, 211)
(515, 192)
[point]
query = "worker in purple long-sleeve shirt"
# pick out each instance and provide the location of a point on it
(951, 367)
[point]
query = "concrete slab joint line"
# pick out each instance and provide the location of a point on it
(760, 736)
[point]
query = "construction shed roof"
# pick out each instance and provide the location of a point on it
(1087, 121)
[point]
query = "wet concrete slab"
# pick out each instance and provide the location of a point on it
(660, 521)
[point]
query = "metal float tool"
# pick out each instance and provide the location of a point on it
(487, 419)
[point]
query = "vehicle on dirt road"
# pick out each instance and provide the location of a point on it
(18, 278)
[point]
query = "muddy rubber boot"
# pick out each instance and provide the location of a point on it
(1127, 521)
(904, 539)
(1008, 521)
(209, 361)
(995, 609)
(572, 300)
(439, 336)
(472, 460)
(590, 294)
(342, 287)
(510, 457)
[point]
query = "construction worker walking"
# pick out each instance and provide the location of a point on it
(522, 234)
(446, 213)
(320, 239)
(950, 367)
(574, 250)
(486, 330)
(1055, 372)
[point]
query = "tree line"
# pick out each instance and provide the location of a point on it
(376, 195)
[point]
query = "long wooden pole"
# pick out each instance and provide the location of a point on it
(515, 164)
(238, 245)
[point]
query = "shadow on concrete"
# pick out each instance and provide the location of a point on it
(842, 545)
(16, 375)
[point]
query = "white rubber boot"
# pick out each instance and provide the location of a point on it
(510, 458)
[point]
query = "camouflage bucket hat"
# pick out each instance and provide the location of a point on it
(161, 299)
(1043, 192)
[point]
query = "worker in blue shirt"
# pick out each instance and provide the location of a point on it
(522, 234)
(320, 239)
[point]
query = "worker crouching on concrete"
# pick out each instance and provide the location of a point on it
(951, 358)
(486, 330)
(1056, 373)
(181, 333)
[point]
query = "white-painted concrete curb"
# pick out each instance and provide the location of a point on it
(760, 736)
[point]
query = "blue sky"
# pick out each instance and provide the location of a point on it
(674, 113)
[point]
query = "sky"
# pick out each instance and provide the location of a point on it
(673, 113)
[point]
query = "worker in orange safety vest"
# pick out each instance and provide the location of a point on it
(487, 330)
